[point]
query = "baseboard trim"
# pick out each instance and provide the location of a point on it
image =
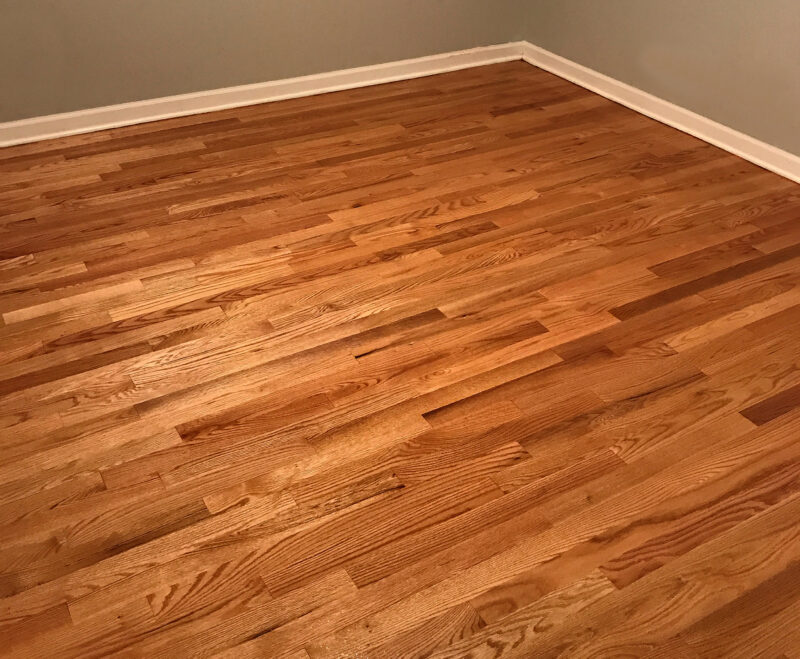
(760, 153)
(125, 114)
(85, 121)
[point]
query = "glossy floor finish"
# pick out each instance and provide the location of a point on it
(473, 365)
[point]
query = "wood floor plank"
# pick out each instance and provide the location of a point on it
(756, 552)
(478, 364)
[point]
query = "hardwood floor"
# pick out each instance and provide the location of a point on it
(473, 365)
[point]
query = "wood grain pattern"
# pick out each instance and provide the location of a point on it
(473, 365)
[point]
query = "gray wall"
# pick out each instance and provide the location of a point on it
(734, 61)
(62, 55)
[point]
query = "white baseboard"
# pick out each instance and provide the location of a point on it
(125, 114)
(85, 121)
(760, 153)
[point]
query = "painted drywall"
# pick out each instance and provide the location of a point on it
(734, 61)
(64, 55)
